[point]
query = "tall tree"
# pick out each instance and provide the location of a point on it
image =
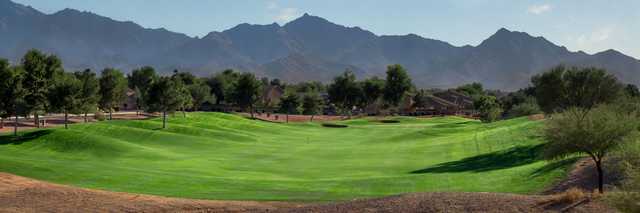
(312, 104)
(246, 92)
(164, 96)
(289, 104)
(65, 96)
(472, 90)
(372, 89)
(592, 132)
(40, 70)
(185, 99)
(397, 84)
(200, 93)
(222, 85)
(11, 92)
(113, 88)
(345, 91)
(186, 77)
(140, 80)
(89, 93)
(562, 88)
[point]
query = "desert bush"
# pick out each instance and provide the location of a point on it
(568, 197)
(528, 107)
(99, 116)
(571, 196)
(489, 108)
(626, 162)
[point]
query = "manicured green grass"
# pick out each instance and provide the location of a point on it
(221, 156)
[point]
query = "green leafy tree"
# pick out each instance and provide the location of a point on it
(472, 90)
(113, 88)
(246, 92)
(186, 101)
(593, 132)
(632, 90)
(65, 96)
(489, 108)
(562, 88)
(11, 92)
(289, 104)
(200, 93)
(345, 92)
(372, 89)
(312, 104)
(89, 96)
(164, 96)
(419, 100)
(186, 77)
(222, 85)
(397, 84)
(518, 98)
(40, 70)
(140, 80)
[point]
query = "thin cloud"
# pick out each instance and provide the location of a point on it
(287, 14)
(595, 40)
(282, 14)
(272, 5)
(540, 9)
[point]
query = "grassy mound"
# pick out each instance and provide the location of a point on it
(221, 156)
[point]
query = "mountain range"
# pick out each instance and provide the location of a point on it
(308, 48)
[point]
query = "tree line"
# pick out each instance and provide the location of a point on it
(38, 84)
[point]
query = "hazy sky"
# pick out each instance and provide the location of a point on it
(589, 25)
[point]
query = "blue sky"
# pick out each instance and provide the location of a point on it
(589, 25)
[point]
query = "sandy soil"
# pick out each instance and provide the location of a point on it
(18, 194)
(454, 202)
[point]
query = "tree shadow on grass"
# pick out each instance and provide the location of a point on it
(513, 157)
(553, 166)
(22, 138)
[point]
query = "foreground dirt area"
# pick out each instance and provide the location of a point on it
(19, 194)
(455, 202)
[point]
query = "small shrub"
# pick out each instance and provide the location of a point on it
(389, 121)
(528, 107)
(332, 125)
(571, 196)
(568, 197)
(626, 162)
(99, 116)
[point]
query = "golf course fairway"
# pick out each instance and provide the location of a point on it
(228, 157)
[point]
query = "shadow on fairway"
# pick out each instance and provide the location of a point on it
(26, 137)
(517, 156)
(553, 166)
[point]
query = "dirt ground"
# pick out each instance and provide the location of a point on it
(18, 194)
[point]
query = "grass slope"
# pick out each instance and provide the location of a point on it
(221, 156)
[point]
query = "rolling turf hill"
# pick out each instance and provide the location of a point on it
(227, 157)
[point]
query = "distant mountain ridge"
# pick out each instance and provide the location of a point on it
(308, 48)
